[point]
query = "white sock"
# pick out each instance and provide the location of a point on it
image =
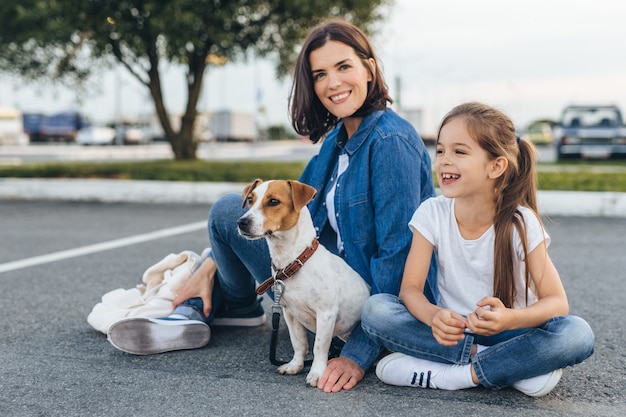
(456, 377)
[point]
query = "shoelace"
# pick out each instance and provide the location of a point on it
(421, 381)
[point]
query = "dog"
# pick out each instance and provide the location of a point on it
(325, 295)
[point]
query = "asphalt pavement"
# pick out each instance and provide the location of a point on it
(59, 256)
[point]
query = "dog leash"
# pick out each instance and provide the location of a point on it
(278, 288)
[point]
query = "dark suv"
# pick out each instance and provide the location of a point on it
(590, 132)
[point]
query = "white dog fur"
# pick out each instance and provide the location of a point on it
(325, 295)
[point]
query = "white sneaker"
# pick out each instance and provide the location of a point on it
(540, 385)
(145, 336)
(406, 371)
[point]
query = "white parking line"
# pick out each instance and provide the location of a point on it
(100, 247)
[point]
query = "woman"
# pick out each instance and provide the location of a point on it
(371, 173)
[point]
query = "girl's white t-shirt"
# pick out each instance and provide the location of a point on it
(465, 273)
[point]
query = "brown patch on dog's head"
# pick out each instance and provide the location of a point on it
(247, 192)
(301, 194)
(281, 204)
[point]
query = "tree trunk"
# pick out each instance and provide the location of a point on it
(183, 144)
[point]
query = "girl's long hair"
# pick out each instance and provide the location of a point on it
(517, 186)
(308, 116)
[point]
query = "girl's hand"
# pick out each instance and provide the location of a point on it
(448, 327)
(491, 317)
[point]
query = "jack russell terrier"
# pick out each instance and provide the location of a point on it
(324, 294)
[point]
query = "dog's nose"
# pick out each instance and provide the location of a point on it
(243, 223)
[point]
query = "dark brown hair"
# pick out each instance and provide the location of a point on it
(517, 186)
(308, 116)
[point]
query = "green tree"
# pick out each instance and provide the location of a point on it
(62, 39)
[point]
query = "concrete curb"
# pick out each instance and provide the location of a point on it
(590, 204)
(114, 191)
(552, 203)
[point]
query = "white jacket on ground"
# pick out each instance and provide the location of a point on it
(151, 299)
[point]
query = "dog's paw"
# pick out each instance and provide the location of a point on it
(291, 368)
(312, 378)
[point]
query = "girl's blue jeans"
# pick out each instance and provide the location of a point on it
(513, 355)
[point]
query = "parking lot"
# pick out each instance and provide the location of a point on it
(55, 364)
(292, 150)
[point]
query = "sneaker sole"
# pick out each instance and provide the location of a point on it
(239, 321)
(144, 336)
(554, 379)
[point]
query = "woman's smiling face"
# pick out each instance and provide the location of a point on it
(340, 79)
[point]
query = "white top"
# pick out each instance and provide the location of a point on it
(465, 272)
(330, 199)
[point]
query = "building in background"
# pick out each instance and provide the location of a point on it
(12, 127)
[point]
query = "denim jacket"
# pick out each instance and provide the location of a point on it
(388, 176)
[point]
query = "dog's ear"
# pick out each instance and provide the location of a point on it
(248, 190)
(301, 193)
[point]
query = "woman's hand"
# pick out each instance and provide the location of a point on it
(200, 284)
(341, 373)
(448, 327)
(491, 317)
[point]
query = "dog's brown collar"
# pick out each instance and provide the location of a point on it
(289, 270)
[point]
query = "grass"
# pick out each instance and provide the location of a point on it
(161, 170)
(575, 176)
(582, 181)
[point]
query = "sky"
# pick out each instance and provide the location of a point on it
(529, 58)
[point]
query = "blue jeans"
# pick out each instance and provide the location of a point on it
(513, 355)
(241, 262)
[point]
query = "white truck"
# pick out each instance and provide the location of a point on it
(415, 117)
(12, 127)
(231, 126)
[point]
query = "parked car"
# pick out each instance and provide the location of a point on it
(590, 132)
(131, 134)
(96, 135)
(539, 133)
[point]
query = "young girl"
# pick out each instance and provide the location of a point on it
(501, 319)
